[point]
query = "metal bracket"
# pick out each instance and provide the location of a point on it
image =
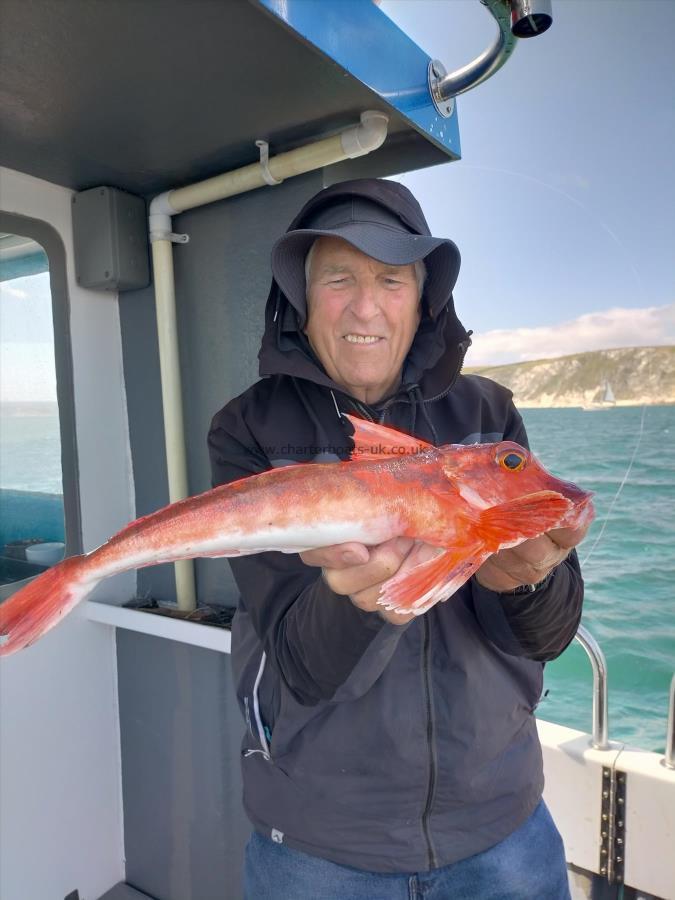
(613, 825)
(169, 236)
(436, 72)
(264, 148)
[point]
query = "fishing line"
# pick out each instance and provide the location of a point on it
(620, 488)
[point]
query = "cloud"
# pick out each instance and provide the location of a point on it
(13, 292)
(617, 327)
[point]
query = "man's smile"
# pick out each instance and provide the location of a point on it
(362, 338)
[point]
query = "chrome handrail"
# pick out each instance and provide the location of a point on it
(516, 19)
(600, 739)
(669, 758)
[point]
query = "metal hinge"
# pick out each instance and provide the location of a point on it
(613, 825)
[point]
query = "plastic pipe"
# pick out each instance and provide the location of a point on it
(349, 144)
(172, 404)
(355, 141)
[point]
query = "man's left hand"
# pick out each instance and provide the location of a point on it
(529, 562)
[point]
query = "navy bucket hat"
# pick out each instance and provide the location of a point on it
(381, 219)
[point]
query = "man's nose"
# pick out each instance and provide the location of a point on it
(364, 302)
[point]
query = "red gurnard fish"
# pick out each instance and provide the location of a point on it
(469, 501)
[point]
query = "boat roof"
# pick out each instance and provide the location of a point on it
(146, 96)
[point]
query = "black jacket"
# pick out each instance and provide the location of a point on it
(387, 748)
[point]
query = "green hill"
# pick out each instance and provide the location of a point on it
(636, 376)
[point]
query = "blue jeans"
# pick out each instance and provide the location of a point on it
(527, 865)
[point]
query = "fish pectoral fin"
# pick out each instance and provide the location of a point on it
(518, 520)
(416, 590)
(372, 441)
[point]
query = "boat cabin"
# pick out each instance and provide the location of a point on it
(150, 154)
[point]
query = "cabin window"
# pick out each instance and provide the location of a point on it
(32, 524)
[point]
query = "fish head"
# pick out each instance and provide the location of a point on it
(486, 475)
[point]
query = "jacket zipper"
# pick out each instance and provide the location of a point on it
(463, 349)
(426, 651)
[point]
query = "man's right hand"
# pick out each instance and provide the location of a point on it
(359, 572)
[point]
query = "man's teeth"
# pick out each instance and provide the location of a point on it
(361, 338)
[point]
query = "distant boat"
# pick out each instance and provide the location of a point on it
(608, 401)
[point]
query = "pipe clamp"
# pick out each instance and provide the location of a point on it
(264, 148)
(169, 236)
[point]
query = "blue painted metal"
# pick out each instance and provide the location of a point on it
(369, 46)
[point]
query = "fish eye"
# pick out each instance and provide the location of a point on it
(512, 460)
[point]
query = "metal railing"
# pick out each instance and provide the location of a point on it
(600, 739)
(515, 19)
(669, 758)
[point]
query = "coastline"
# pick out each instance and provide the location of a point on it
(577, 404)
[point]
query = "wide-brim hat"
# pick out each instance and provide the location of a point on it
(374, 230)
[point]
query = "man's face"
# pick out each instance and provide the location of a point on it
(362, 316)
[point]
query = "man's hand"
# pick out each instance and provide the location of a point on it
(529, 562)
(359, 571)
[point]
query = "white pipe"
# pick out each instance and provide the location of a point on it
(174, 431)
(349, 144)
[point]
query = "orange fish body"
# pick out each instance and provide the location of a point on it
(469, 501)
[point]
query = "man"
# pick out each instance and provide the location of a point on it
(386, 756)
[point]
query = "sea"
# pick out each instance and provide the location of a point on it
(627, 456)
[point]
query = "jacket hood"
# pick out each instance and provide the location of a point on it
(436, 354)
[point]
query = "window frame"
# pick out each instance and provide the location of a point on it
(49, 239)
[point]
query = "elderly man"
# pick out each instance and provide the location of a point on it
(386, 756)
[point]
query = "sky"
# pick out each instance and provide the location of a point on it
(27, 369)
(563, 204)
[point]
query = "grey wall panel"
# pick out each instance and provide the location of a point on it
(222, 281)
(146, 422)
(181, 729)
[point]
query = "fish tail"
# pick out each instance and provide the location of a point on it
(43, 602)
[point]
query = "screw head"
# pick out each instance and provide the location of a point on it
(437, 68)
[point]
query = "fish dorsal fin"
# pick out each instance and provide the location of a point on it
(372, 441)
(517, 520)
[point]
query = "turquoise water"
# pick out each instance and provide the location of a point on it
(629, 574)
(30, 452)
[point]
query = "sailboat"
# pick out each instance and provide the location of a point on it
(607, 401)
